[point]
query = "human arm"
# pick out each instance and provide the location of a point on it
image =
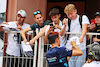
(76, 51)
(1, 27)
(88, 61)
(41, 33)
(45, 37)
(92, 26)
(84, 31)
(63, 30)
(23, 32)
(51, 28)
(96, 40)
(57, 26)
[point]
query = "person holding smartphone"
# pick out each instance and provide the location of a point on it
(95, 28)
(54, 26)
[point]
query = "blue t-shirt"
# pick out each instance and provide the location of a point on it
(57, 57)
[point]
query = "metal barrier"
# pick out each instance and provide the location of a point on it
(35, 61)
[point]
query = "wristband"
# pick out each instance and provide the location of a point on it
(73, 45)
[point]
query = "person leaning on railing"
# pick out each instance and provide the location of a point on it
(38, 17)
(75, 23)
(13, 48)
(95, 27)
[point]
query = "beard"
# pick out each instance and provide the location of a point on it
(21, 22)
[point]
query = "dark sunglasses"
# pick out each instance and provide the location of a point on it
(37, 12)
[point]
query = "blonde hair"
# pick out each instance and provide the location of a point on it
(69, 8)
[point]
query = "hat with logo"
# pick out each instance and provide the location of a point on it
(22, 13)
(97, 14)
(95, 49)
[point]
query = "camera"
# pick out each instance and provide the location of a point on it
(51, 24)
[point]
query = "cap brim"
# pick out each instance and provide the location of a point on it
(89, 46)
(96, 15)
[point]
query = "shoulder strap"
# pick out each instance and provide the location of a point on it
(80, 20)
(69, 22)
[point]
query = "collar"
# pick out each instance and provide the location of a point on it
(60, 23)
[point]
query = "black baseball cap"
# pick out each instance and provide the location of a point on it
(97, 14)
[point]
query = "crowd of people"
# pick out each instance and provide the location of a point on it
(62, 51)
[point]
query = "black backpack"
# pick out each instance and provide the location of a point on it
(69, 22)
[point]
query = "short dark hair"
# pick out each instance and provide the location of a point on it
(52, 37)
(54, 11)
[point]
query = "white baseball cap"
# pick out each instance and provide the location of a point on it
(22, 13)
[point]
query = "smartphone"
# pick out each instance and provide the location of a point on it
(51, 24)
(93, 21)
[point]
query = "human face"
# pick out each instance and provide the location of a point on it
(20, 19)
(97, 20)
(39, 19)
(55, 18)
(72, 14)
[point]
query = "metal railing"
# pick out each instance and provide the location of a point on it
(39, 59)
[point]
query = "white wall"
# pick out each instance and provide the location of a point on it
(3, 6)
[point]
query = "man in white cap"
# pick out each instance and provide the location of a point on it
(13, 47)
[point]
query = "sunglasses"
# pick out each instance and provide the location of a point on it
(37, 12)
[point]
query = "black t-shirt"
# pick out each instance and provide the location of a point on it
(34, 26)
(96, 30)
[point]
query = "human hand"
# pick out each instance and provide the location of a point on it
(73, 43)
(92, 25)
(57, 26)
(65, 21)
(81, 39)
(18, 26)
(31, 42)
(25, 40)
(5, 23)
(96, 39)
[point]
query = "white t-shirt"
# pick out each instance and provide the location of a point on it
(76, 27)
(13, 48)
(62, 38)
(92, 64)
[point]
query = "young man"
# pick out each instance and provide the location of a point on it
(57, 56)
(75, 26)
(93, 56)
(56, 25)
(39, 24)
(96, 27)
(13, 47)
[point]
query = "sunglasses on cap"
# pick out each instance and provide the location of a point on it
(37, 12)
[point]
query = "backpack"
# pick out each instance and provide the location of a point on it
(69, 22)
